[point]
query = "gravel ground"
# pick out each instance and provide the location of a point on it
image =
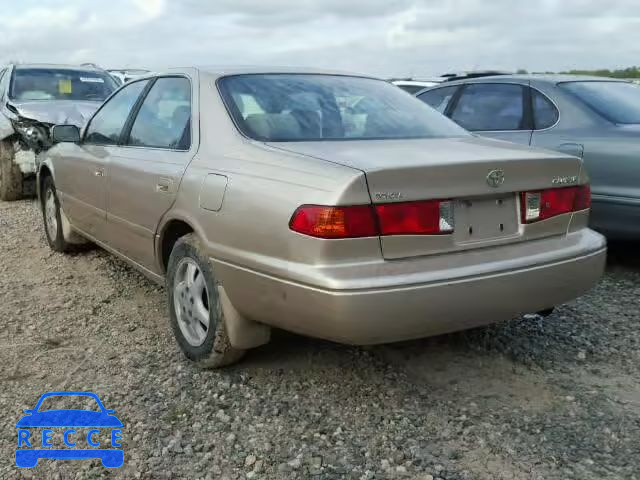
(554, 398)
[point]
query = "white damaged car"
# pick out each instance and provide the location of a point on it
(33, 98)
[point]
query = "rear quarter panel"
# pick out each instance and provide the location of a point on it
(263, 187)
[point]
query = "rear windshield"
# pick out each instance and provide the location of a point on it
(301, 107)
(60, 84)
(619, 102)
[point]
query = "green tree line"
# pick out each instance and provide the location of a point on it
(631, 72)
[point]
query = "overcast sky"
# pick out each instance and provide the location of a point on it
(380, 37)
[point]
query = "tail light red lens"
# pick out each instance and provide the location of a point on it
(433, 217)
(334, 222)
(544, 204)
(583, 198)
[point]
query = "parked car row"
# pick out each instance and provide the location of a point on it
(415, 85)
(331, 205)
(33, 98)
(590, 117)
(125, 75)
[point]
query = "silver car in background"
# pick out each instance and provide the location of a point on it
(595, 118)
(415, 85)
(33, 98)
(125, 75)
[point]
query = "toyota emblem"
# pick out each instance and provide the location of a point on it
(495, 178)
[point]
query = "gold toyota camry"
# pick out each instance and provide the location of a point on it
(330, 205)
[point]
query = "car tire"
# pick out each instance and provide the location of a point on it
(10, 174)
(52, 217)
(195, 311)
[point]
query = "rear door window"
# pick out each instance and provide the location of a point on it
(164, 118)
(491, 107)
(439, 98)
(545, 113)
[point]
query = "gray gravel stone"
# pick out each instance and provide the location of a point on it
(536, 398)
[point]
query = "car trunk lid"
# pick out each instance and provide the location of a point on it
(481, 178)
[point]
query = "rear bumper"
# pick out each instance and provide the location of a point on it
(446, 300)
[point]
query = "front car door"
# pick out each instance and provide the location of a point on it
(497, 110)
(146, 170)
(81, 171)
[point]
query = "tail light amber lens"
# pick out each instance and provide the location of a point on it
(544, 204)
(335, 222)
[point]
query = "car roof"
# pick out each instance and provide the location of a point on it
(533, 77)
(417, 82)
(223, 71)
(128, 70)
(82, 68)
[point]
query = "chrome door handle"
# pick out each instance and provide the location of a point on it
(162, 187)
(99, 173)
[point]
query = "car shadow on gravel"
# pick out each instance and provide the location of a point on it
(624, 255)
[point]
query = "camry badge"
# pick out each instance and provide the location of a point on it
(565, 180)
(495, 178)
(389, 196)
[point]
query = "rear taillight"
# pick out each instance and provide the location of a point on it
(335, 222)
(432, 217)
(544, 204)
(583, 198)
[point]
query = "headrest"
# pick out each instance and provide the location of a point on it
(274, 126)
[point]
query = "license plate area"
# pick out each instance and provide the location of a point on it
(486, 219)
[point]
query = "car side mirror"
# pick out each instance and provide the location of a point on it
(65, 133)
(109, 411)
(29, 410)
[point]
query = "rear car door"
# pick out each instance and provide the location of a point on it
(496, 110)
(546, 116)
(81, 174)
(145, 173)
